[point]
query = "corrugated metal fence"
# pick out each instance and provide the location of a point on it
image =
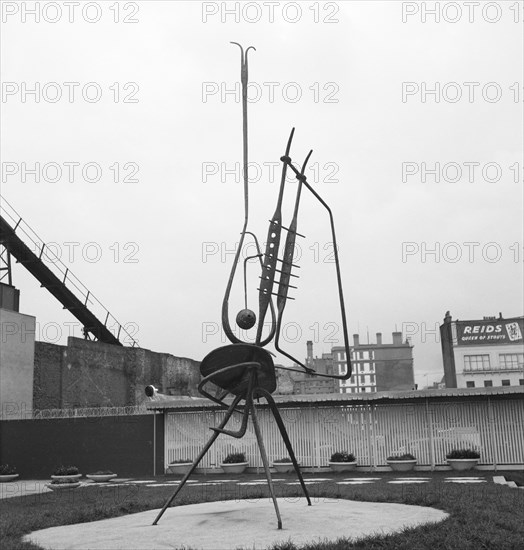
(371, 432)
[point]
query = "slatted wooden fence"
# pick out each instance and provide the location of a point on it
(371, 431)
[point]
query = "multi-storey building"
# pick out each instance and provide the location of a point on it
(304, 383)
(376, 367)
(483, 353)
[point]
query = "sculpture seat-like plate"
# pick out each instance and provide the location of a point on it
(234, 380)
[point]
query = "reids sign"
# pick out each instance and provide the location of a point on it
(496, 331)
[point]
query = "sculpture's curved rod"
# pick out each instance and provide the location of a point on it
(271, 306)
(225, 303)
(289, 251)
(348, 372)
(199, 457)
(270, 257)
(209, 378)
(251, 374)
(285, 437)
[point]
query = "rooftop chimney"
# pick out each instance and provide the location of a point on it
(379, 338)
(309, 360)
(356, 340)
(397, 338)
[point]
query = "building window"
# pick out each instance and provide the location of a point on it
(476, 362)
(372, 379)
(470, 384)
(506, 383)
(511, 361)
(488, 383)
(521, 381)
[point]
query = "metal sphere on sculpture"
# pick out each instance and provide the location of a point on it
(246, 319)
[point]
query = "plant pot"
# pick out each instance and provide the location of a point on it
(283, 467)
(401, 465)
(62, 486)
(342, 466)
(100, 478)
(462, 464)
(234, 468)
(179, 469)
(69, 477)
(8, 477)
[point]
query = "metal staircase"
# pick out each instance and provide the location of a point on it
(20, 241)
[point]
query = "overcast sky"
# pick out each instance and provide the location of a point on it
(382, 92)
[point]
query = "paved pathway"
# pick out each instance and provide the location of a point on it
(30, 487)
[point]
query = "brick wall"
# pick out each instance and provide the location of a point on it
(94, 374)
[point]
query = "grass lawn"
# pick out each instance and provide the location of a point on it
(482, 515)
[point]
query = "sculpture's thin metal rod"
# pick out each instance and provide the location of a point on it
(199, 457)
(265, 461)
(209, 378)
(270, 257)
(287, 263)
(251, 373)
(245, 275)
(287, 442)
(225, 303)
(348, 372)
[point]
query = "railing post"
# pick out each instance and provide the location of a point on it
(372, 440)
(491, 422)
(316, 434)
(429, 427)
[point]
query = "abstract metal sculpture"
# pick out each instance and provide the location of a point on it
(243, 369)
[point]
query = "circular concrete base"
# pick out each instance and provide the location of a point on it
(230, 524)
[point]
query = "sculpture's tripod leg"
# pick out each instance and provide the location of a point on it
(247, 407)
(265, 461)
(285, 437)
(200, 456)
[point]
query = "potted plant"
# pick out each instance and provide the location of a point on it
(7, 473)
(101, 476)
(179, 467)
(283, 465)
(63, 484)
(401, 462)
(234, 463)
(63, 473)
(342, 461)
(463, 459)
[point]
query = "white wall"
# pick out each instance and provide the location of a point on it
(17, 352)
(495, 375)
